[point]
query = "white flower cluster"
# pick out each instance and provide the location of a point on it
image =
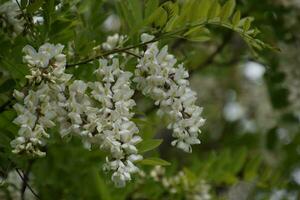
(10, 18)
(116, 131)
(158, 77)
(39, 105)
(99, 112)
(107, 125)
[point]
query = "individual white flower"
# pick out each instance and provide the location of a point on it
(113, 42)
(10, 17)
(145, 37)
(158, 76)
(112, 23)
(254, 71)
(38, 19)
(296, 175)
(233, 111)
(48, 63)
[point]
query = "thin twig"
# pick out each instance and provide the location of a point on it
(27, 19)
(25, 185)
(248, 38)
(133, 54)
(112, 52)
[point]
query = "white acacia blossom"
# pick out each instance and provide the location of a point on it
(10, 18)
(158, 76)
(107, 125)
(113, 42)
(37, 107)
(48, 63)
(116, 132)
(100, 112)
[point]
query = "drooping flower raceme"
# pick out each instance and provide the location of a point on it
(158, 76)
(115, 130)
(37, 107)
(100, 112)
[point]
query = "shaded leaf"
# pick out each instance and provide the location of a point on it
(148, 145)
(154, 161)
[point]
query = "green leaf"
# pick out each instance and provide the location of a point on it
(150, 7)
(171, 23)
(227, 10)
(203, 9)
(198, 34)
(185, 14)
(24, 4)
(135, 9)
(158, 18)
(7, 85)
(214, 10)
(48, 9)
(251, 169)
(154, 161)
(190, 175)
(148, 145)
(236, 18)
(101, 186)
(6, 119)
(34, 6)
(171, 8)
(240, 159)
(247, 25)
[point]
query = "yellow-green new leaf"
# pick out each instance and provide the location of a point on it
(236, 18)
(34, 6)
(227, 10)
(158, 18)
(202, 10)
(150, 7)
(215, 10)
(198, 34)
(247, 25)
(171, 8)
(154, 161)
(148, 145)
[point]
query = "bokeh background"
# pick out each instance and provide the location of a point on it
(251, 140)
